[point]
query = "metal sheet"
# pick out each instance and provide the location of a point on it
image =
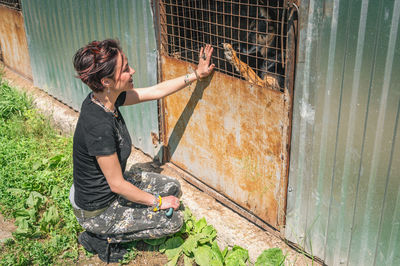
(343, 200)
(57, 29)
(229, 134)
(13, 44)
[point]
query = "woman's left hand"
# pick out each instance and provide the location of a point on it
(204, 68)
(170, 202)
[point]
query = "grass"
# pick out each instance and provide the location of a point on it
(36, 174)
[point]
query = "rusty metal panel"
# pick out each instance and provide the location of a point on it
(13, 44)
(233, 136)
(343, 196)
(57, 29)
(228, 134)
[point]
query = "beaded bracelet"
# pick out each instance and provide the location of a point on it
(156, 204)
(197, 75)
(186, 79)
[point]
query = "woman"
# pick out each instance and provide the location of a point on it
(109, 207)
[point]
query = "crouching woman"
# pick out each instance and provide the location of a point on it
(110, 207)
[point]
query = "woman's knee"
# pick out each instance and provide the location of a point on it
(166, 185)
(173, 188)
(175, 222)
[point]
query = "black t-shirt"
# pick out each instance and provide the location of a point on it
(97, 133)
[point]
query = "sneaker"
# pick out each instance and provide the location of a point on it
(115, 253)
(108, 252)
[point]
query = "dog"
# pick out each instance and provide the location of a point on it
(261, 44)
(247, 72)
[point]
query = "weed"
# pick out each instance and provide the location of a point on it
(36, 173)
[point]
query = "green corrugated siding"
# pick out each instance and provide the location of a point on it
(56, 29)
(344, 181)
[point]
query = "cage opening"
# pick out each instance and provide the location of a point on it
(249, 37)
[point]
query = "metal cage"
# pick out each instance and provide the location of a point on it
(14, 4)
(256, 30)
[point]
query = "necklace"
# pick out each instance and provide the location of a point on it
(98, 102)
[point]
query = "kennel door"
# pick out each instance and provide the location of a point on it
(231, 136)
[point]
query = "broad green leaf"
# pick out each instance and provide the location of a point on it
(217, 251)
(32, 214)
(270, 257)
(208, 234)
(55, 191)
(50, 217)
(237, 257)
(203, 255)
(225, 252)
(35, 199)
(23, 227)
(55, 160)
(29, 214)
(190, 244)
(199, 225)
(187, 214)
(155, 242)
(21, 219)
(187, 261)
(205, 239)
(172, 247)
(216, 262)
(21, 213)
(173, 260)
(209, 229)
(188, 226)
(171, 243)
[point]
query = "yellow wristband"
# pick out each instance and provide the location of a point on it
(158, 206)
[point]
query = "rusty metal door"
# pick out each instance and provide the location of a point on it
(228, 132)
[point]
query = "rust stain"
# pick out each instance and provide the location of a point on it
(229, 135)
(13, 41)
(154, 138)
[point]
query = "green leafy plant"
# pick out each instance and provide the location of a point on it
(272, 256)
(196, 243)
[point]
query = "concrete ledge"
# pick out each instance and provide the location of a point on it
(232, 228)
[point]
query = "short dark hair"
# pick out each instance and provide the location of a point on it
(95, 61)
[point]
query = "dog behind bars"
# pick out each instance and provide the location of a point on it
(261, 45)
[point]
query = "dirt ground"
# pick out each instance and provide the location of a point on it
(232, 228)
(6, 228)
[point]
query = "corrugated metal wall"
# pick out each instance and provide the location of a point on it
(13, 46)
(344, 181)
(57, 29)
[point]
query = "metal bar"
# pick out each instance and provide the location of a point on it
(13, 4)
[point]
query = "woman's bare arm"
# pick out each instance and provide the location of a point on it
(171, 86)
(109, 165)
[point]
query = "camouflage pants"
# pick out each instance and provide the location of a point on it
(125, 221)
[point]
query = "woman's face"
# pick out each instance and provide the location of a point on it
(123, 74)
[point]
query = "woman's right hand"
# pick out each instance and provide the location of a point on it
(169, 202)
(204, 68)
